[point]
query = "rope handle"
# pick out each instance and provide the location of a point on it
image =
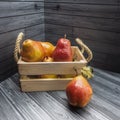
(85, 48)
(17, 46)
(81, 44)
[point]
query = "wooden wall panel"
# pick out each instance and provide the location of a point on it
(83, 33)
(106, 11)
(108, 2)
(96, 22)
(20, 22)
(84, 22)
(33, 31)
(20, 8)
(21, 0)
(17, 16)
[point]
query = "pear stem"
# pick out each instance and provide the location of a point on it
(65, 36)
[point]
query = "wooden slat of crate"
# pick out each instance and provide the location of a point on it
(50, 68)
(35, 84)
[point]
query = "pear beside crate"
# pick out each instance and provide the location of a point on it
(59, 68)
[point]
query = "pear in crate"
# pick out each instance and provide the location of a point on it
(49, 76)
(63, 50)
(48, 59)
(48, 47)
(32, 51)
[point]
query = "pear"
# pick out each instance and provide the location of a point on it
(63, 50)
(49, 76)
(48, 47)
(48, 59)
(32, 51)
(79, 91)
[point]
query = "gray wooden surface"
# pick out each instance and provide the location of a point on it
(53, 105)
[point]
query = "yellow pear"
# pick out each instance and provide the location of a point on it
(32, 51)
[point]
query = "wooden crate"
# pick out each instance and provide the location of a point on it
(59, 68)
(27, 69)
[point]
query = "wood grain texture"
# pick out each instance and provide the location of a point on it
(52, 105)
(8, 9)
(91, 10)
(7, 107)
(35, 30)
(25, 106)
(84, 33)
(21, 0)
(17, 16)
(85, 1)
(20, 22)
(83, 22)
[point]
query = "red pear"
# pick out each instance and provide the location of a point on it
(79, 91)
(63, 50)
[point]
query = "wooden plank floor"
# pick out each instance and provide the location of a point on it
(53, 105)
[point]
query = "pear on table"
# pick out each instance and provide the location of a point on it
(79, 91)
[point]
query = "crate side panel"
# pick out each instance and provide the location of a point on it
(43, 85)
(50, 68)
